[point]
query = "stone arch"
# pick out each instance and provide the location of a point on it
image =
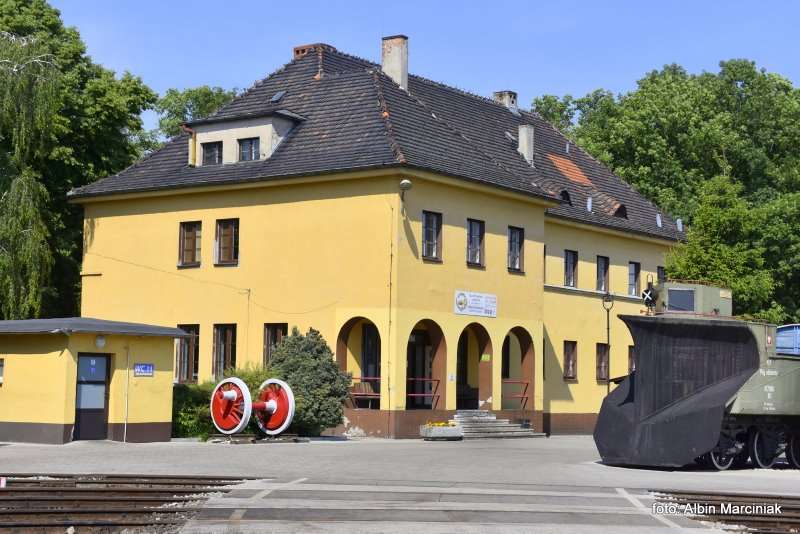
(358, 351)
(518, 377)
(474, 368)
(426, 367)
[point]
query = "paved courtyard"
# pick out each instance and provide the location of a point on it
(547, 485)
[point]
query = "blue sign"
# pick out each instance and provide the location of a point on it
(143, 369)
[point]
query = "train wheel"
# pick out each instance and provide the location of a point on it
(763, 449)
(793, 451)
(719, 460)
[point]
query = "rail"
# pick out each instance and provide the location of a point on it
(522, 395)
(433, 395)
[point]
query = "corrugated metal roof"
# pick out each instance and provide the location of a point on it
(86, 325)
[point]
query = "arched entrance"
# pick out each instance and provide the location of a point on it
(474, 368)
(358, 352)
(426, 367)
(517, 370)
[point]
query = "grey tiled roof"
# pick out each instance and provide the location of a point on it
(86, 325)
(351, 116)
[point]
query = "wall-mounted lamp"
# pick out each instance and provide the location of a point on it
(405, 185)
(100, 341)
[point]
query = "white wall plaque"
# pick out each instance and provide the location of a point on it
(471, 303)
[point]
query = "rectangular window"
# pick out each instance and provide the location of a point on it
(475, 229)
(187, 359)
(227, 241)
(431, 235)
(273, 334)
(602, 362)
(634, 272)
(516, 249)
(680, 300)
(2, 369)
(631, 359)
(249, 149)
(224, 348)
(190, 237)
(212, 153)
(602, 274)
(662, 274)
(570, 268)
(570, 360)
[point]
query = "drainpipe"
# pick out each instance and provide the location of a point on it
(192, 145)
(127, 386)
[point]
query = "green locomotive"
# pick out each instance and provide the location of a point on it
(707, 387)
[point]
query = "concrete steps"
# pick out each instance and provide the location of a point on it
(483, 424)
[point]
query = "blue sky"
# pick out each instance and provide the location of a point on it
(530, 47)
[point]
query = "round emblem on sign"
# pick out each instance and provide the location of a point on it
(461, 301)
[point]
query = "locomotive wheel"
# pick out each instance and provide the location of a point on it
(793, 451)
(719, 460)
(763, 449)
(231, 406)
(279, 395)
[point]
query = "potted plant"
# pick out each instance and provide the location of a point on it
(440, 431)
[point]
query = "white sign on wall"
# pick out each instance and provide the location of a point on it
(470, 303)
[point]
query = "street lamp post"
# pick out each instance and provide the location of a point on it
(608, 303)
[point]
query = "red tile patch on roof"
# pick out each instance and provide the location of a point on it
(569, 169)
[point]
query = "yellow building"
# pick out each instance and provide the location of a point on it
(446, 245)
(80, 378)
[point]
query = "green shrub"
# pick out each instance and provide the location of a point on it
(190, 410)
(307, 364)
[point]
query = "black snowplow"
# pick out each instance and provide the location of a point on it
(670, 410)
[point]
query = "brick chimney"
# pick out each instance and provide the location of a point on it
(304, 50)
(508, 99)
(394, 59)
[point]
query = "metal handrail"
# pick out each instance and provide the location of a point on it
(522, 396)
(433, 394)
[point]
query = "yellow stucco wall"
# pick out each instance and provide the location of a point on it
(426, 290)
(578, 315)
(38, 379)
(319, 252)
(41, 372)
(149, 399)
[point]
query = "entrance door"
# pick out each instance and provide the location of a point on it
(466, 395)
(419, 369)
(91, 402)
(371, 361)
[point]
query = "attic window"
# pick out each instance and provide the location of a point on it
(212, 153)
(565, 197)
(621, 212)
(277, 97)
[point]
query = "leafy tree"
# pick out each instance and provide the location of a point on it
(722, 247)
(28, 88)
(92, 133)
(307, 364)
(177, 107)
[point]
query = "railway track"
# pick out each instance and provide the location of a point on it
(762, 514)
(37, 503)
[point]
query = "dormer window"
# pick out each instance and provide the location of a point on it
(621, 212)
(565, 197)
(249, 149)
(212, 153)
